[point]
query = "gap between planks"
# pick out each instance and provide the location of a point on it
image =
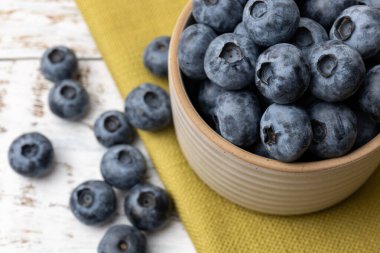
(37, 59)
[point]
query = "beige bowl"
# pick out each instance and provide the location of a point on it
(255, 182)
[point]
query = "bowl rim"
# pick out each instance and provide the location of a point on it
(177, 86)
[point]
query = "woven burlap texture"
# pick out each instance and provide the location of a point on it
(122, 28)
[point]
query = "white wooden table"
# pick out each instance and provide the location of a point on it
(34, 214)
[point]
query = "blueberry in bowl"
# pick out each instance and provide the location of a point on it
(337, 71)
(309, 33)
(334, 129)
(324, 11)
(286, 132)
(220, 15)
(359, 27)
(270, 22)
(282, 73)
(369, 94)
(236, 116)
(191, 53)
(230, 61)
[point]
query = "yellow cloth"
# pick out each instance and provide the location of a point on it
(122, 28)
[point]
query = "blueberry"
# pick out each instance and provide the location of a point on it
(309, 33)
(194, 42)
(31, 155)
(123, 167)
(286, 132)
(243, 2)
(359, 27)
(156, 56)
(208, 92)
(241, 30)
(371, 3)
(271, 21)
(337, 71)
(148, 107)
(334, 129)
(69, 100)
(122, 239)
(220, 15)
(59, 63)
(237, 115)
(373, 61)
(324, 11)
(369, 94)
(148, 207)
(282, 73)
(230, 61)
(259, 149)
(367, 128)
(93, 202)
(112, 128)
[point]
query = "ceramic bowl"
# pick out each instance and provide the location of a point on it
(255, 182)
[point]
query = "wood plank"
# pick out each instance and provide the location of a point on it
(27, 28)
(34, 214)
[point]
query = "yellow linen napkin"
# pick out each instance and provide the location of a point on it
(122, 28)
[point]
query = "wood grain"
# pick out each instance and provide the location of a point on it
(256, 182)
(29, 27)
(34, 213)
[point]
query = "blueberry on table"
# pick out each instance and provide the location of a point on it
(208, 93)
(123, 167)
(282, 73)
(369, 94)
(220, 15)
(324, 11)
(148, 108)
(194, 42)
(93, 202)
(59, 63)
(31, 155)
(359, 28)
(271, 21)
(122, 239)
(69, 100)
(156, 56)
(230, 61)
(286, 132)
(148, 207)
(112, 128)
(334, 129)
(309, 33)
(237, 116)
(367, 128)
(337, 71)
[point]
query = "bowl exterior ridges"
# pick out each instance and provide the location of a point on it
(255, 182)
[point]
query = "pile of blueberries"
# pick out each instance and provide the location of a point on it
(123, 166)
(267, 76)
